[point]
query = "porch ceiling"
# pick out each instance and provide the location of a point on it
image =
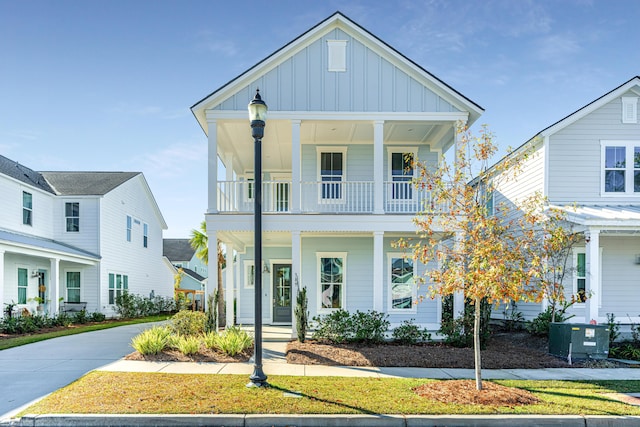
(234, 137)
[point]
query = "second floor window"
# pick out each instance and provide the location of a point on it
(621, 167)
(129, 222)
(27, 208)
(331, 175)
(402, 175)
(145, 235)
(72, 216)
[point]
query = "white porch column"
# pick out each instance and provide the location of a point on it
(213, 166)
(212, 281)
(54, 286)
(296, 275)
(592, 238)
(378, 275)
(231, 189)
(296, 179)
(458, 297)
(229, 290)
(378, 166)
(2, 280)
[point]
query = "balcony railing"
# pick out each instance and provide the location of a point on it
(357, 197)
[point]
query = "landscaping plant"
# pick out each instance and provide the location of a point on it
(301, 313)
(340, 327)
(151, 341)
(187, 322)
(232, 341)
(188, 345)
(409, 333)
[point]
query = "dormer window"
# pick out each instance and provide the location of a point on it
(629, 109)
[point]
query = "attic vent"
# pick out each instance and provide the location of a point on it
(337, 55)
(629, 109)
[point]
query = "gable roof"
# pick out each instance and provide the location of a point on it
(193, 274)
(86, 183)
(177, 249)
(22, 173)
(590, 107)
(335, 21)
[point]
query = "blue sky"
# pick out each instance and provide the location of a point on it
(107, 85)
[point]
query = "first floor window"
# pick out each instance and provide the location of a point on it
(402, 283)
(23, 282)
(332, 280)
(73, 286)
(72, 216)
(27, 208)
(118, 283)
(580, 284)
(249, 274)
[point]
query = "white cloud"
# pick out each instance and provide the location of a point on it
(209, 41)
(175, 160)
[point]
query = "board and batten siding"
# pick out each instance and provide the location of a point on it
(370, 82)
(144, 266)
(575, 164)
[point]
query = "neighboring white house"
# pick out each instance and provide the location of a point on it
(347, 113)
(588, 164)
(182, 258)
(78, 237)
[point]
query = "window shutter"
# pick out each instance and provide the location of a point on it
(337, 55)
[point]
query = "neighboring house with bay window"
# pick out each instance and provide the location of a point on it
(347, 115)
(588, 165)
(78, 237)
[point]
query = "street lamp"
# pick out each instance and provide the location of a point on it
(257, 117)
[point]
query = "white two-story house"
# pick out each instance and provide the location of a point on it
(588, 165)
(347, 115)
(78, 237)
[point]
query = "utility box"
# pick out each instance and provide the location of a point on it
(579, 341)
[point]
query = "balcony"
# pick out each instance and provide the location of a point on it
(324, 197)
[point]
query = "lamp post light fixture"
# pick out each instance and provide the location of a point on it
(257, 117)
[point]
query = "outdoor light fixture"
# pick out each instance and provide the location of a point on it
(257, 117)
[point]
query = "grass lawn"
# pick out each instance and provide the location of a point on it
(74, 329)
(157, 393)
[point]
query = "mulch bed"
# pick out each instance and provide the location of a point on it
(464, 392)
(504, 351)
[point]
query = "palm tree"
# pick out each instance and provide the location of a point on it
(200, 242)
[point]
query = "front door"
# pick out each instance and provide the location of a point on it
(281, 293)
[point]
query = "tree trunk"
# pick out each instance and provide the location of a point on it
(222, 318)
(476, 343)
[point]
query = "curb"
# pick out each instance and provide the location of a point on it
(289, 420)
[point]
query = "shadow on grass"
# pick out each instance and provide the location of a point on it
(329, 402)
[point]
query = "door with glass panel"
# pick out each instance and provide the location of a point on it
(281, 274)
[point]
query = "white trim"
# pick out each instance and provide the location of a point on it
(574, 282)
(345, 116)
(414, 294)
(545, 153)
(343, 296)
(245, 274)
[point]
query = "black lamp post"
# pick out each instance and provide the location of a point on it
(257, 116)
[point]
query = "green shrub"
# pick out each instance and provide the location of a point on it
(188, 322)
(301, 313)
(209, 339)
(80, 317)
(340, 327)
(513, 319)
(409, 333)
(626, 351)
(614, 328)
(540, 325)
(151, 341)
(130, 305)
(334, 327)
(188, 345)
(232, 341)
(458, 332)
(97, 317)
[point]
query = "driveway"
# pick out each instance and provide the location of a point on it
(31, 371)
